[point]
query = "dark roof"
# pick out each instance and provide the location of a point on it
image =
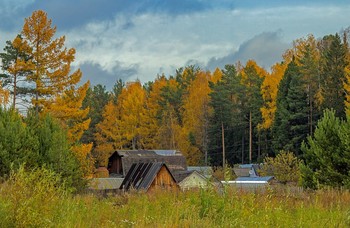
(207, 171)
(181, 175)
(172, 158)
(247, 170)
(141, 175)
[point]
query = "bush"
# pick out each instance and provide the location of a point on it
(327, 154)
(285, 167)
(31, 198)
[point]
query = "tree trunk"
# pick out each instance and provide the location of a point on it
(250, 137)
(223, 145)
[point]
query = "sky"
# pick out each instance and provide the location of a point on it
(140, 39)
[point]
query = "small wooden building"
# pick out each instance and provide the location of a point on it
(191, 180)
(121, 160)
(149, 176)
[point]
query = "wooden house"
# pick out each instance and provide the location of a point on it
(121, 160)
(191, 180)
(148, 176)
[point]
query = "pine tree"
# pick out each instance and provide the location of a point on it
(333, 74)
(95, 100)
(252, 77)
(291, 120)
(17, 66)
(327, 154)
(17, 144)
(225, 102)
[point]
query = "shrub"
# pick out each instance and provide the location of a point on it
(327, 154)
(31, 198)
(285, 167)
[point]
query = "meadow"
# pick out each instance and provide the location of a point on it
(29, 201)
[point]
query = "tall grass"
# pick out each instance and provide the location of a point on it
(47, 205)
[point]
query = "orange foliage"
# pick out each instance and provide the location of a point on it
(269, 90)
(151, 125)
(56, 90)
(196, 114)
(4, 95)
(108, 137)
(132, 103)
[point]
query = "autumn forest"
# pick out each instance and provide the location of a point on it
(239, 114)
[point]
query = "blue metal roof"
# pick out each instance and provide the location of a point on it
(254, 179)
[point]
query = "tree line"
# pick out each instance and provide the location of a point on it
(242, 111)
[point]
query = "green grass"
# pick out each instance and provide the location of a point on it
(26, 204)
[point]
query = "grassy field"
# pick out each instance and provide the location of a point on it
(26, 202)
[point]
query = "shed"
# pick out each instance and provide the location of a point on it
(148, 176)
(191, 179)
(121, 160)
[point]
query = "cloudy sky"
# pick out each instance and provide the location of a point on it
(138, 39)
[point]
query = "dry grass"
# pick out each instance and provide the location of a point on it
(278, 207)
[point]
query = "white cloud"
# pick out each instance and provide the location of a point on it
(158, 43)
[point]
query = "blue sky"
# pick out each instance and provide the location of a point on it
(138, 39)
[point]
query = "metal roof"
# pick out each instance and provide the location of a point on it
(172, 158)
(105, 183)
(166, 152)
(256, 180)
(204, 170)
(141, 175)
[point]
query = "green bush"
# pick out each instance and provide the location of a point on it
(327, 154)
(37, 142)
(32, 198)
(285, 167)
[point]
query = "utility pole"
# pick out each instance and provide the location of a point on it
(223, 145)
(250, 137)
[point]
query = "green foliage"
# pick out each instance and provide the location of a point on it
(55, 150)
(204, 208)
(285, 167)
(327, 154)
(226, 111)
(291, 121)
(333, 73)
(17, 144)
(35, 142)
(32, 198)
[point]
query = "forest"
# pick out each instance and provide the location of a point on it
(242, 113)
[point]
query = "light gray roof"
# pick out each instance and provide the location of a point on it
(253, 179)
(207, 171)
(105, 183)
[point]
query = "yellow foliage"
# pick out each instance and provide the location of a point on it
(298, 47)
(196, 115)
(132, 103)
(217, 75)
(82, 151)
(56, 90)
(346, 86)
(108, 136)
(269, 90)
(150, 127)
(4, 95)
(51, 60)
